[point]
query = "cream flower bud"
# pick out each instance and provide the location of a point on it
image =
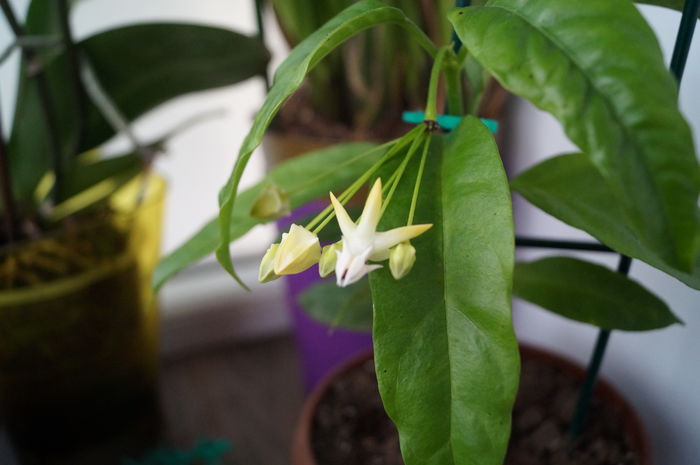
(271, 203)
(267, 271)
(329, 257)
(298, 251)
(401, 259)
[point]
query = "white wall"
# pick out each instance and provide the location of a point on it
(659, 371)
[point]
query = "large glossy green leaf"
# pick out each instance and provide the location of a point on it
(570, 188)
(590, 293)
(309, 177)
(139, 67)
(446, 356)
(288, 78)
(344, 307)
(611, 90)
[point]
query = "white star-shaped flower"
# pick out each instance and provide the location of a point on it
(362, 242)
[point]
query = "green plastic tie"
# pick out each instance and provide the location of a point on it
(447, 122)
(205, 452)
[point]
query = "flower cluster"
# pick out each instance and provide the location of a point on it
(354, 256)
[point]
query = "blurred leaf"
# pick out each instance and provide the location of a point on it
(139, 67)
(445, 351)
(145, 65)
(625, 120)
(570, 188)
(87, 184)
(345, 307)
(317, 172)
(83, 175)
(43, 20)
(590, 293)
(288, 78)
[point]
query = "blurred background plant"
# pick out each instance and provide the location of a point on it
(81, 223)
(72, 97)
(361, 89)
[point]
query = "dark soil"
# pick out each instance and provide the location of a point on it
(351, 427)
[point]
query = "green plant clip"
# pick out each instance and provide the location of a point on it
(447, 122)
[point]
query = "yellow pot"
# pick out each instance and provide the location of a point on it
(78, 355)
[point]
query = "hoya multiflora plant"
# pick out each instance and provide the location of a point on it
(436, 238)
(300, 248)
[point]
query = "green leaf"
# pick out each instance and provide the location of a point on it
(43, 19)
(172, 60)
(590, 293)
(571, 189)
(305, 178)
(345, 307)
(85, 174)
(89, 182)
(28, 166)
(625, 120)
(139, 67)
(446, 356)
(288, 78)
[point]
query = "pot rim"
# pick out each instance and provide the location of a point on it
(302, 453)
(125, 202)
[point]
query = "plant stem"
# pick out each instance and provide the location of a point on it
(355, 186)
(109, 110)
(453, 73)
(8, 200)
(74, 65)
(419, 177)
(431, 104)
(34, 70)
(347, 162)
(691, 9)
(521, 241)
(400, 170)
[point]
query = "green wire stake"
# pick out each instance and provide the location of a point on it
(691, 9)
(446, 122)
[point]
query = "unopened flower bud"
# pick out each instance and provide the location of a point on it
(267, 268)
(271, 203)
(298, 251)
(329, 257)
(401, 259)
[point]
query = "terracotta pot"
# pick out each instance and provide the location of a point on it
(302, 452)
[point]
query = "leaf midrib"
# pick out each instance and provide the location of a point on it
(446, 306)
(607, 101)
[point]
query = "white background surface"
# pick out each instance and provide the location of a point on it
(658, 371)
